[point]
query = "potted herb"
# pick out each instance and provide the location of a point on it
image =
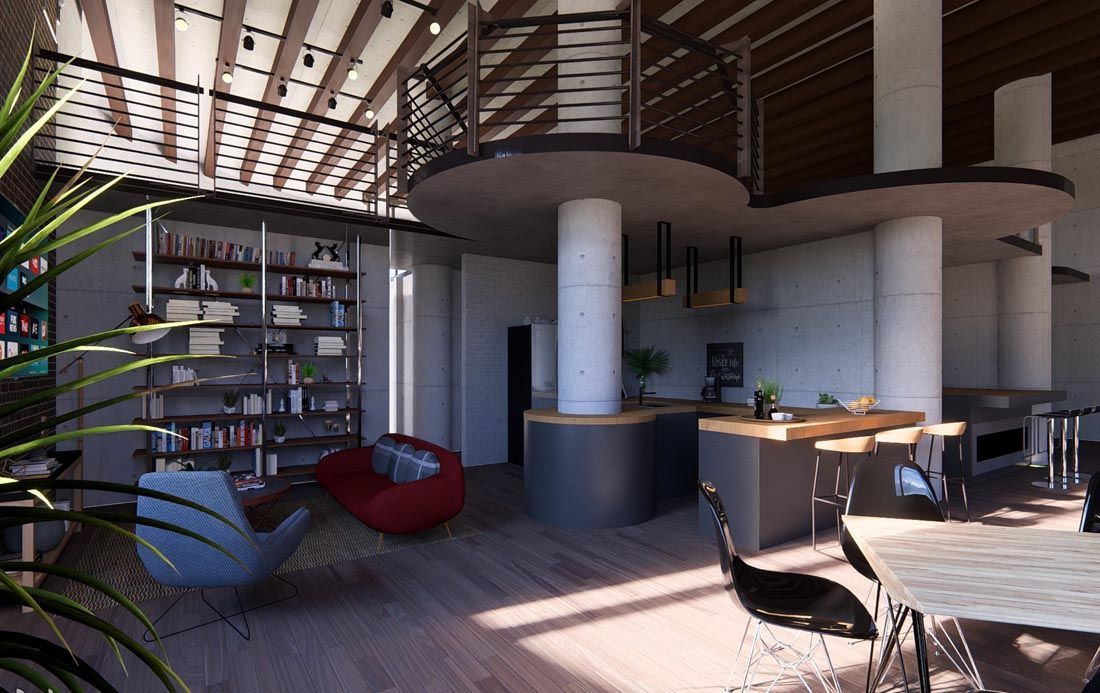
(309, 372)
(278, 429)
(229, 401)
(248, 281)
(644, 362)
(773, 392)
(825, 401)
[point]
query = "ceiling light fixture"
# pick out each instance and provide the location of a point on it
(248, 43)
(353, 74)
(435, 28)
(307, 60)
(181, 23)
(387, 9)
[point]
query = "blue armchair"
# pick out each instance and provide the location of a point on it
(198, 566)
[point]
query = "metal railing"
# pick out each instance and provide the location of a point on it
(616, 71)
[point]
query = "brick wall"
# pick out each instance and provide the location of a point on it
(496, 293)
(19, 186)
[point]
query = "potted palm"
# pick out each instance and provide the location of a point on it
(50, 661)
(644, 362)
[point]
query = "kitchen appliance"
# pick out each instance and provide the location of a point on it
(711, 392)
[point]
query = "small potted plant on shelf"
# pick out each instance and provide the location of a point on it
(248, 281)
(773, 392)
(309, 372)
(278, 429)
(826, 401)
(643, 362)
(229, 402)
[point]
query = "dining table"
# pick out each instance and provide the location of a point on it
(1017, 575)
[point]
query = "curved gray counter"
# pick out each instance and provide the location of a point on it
(589, 472)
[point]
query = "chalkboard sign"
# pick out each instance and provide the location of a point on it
(726, 362)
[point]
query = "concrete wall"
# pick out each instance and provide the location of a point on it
(496, 294)
(1076, 307)
(808, 323)
(94, 295)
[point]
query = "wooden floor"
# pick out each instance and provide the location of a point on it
(526, 607)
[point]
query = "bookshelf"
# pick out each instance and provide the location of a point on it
(195, 409)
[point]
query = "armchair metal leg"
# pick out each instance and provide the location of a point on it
(147, 636)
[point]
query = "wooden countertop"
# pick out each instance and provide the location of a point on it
(985, 572)
(819, 423)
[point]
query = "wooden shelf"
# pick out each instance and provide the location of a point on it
(245, 266)
(239, 295)
(303, 441)
(195, 418)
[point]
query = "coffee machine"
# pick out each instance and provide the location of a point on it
(711, 392)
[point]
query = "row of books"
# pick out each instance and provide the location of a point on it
(328, 346)
(181, 245)
(205, 340)
(307, 286)
(207, 436)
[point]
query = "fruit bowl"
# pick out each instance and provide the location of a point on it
(859, 406)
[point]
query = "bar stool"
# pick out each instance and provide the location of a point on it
(909, 437)
(844, 447)
(943, 431)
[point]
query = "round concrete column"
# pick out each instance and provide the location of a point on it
(909, 314)
(589, 307)
(1022, 137)
(908, 59)
(595, 59)
(431, 353)
(908, 84)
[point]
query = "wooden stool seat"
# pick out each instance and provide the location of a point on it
(855, 444)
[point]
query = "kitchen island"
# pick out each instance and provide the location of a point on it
(764, 469)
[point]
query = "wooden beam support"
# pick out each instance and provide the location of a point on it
(103, 43)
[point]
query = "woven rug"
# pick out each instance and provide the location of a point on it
(334, 536)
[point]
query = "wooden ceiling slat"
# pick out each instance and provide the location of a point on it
(354, 41)
(164, 23)
(298, 19)
(228, 40)
(103, 43)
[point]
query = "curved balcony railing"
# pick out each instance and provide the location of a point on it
(511, 77)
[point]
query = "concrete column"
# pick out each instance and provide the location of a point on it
(908, 58)
(603, 59)
(908, 82)
(430, 343)
(1022, 137)
(589, 307)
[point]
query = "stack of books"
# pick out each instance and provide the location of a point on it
(328, 346)
(328, 265)
(179, 310)
(221, 311)
(205, 340)
(33, 467)
(282, 314)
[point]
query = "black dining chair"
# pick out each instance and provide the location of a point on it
(806, 603)
(899, 489)
(1090, 522)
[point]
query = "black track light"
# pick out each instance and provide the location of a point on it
(282, 90)
(248, 43)
(308, 60)
(387, 9)
(332, 102)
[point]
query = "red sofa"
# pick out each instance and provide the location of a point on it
(394, 508)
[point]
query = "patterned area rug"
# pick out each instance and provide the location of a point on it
(334, 536)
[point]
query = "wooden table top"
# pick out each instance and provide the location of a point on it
(819, 423)
(1036, 577)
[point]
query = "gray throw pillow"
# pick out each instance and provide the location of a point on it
(383, 452)
(414, 465)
